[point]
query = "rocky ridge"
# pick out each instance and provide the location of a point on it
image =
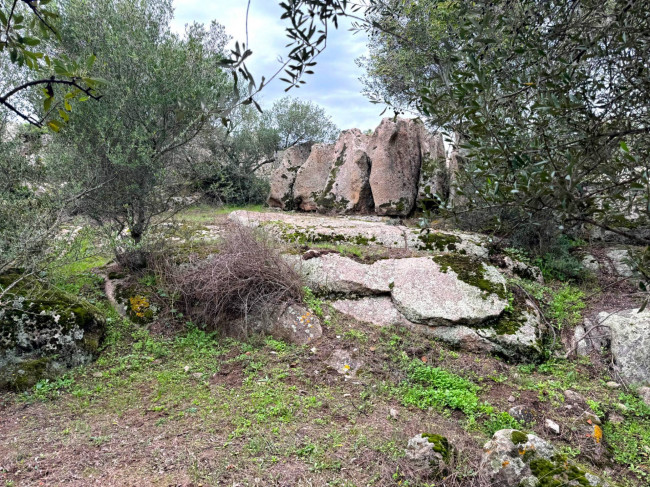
(400, 165)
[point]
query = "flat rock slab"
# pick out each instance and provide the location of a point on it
(312, 228)
(427, 292)
(335, 274)
(380, 311)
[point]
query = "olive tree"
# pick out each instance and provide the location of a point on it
(550, 100)
(161, 91)
(28, 34)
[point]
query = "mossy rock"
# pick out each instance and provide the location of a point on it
(471, 271)
(440, 445)
(43, 332)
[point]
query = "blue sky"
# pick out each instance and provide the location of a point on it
(335, 84)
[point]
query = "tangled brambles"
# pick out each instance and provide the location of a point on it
(240, 286)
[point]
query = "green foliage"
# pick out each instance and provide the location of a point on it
(566, 306)
(47, 389)
(629, 440)
(432, 387)
(27, 39)
(130, 154)
(559, 263)
(313, 303)
(251, 143)
(548, 99)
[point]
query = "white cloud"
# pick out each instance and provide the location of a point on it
(334, 85)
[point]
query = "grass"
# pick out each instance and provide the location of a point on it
(630, 439)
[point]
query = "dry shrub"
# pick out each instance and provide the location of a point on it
(240, 286)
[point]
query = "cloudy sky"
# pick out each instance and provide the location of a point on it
(335, 84)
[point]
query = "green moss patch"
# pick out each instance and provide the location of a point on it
(471, 271)
(442, 242)
(440, 445)
(518, 437)
(557, 472)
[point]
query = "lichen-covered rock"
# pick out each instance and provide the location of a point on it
(284, 176)
(448, 289)
(296, 324)
(335, 274)
(43, 332)
(518, 343)
(378, 310)
(394, 150)
(344, 362)
(311, 178)
(595, 341)
(630, 342)
(620, 262)
(516, 459)
(347, 189)
(429, 451)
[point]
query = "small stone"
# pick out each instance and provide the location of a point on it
(393, 413)
(511, 399)
(613, 385)
(98, 375)
(552, 426)
(615, 418)
(186, 368)
(590, 418)
(523, 413)
(573, 397)
(431, 451)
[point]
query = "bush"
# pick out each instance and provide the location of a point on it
(239, 286)
(559, 263)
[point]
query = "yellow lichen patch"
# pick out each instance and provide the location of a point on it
(139, 305)
(505, 463)
(598, 433)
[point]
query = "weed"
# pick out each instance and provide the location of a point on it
(560, 264)
(47, 389)
(566, 306)
(433, 387)
(313, 303)
(355, 335)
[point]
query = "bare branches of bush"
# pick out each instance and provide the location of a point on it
(238, 287)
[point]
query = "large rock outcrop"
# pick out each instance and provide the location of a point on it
(457, 299)
(304, 228)
(312, 177)
(386, 172)
(435, 283)
(284, 178)
(396, 155)
(348, 187)
(43, 332)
